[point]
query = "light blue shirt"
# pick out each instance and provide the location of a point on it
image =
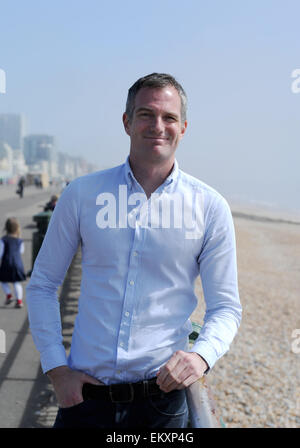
(140, 260)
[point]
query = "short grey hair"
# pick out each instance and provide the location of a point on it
(155, 81)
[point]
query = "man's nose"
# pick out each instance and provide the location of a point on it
(157, 124)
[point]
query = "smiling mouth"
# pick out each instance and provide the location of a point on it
(156, 138)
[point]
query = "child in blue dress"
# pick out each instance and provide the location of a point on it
(12, 268)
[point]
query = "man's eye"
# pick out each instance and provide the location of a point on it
(169, 118)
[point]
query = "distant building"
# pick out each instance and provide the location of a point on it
(12, 130)
(40, 149)
(19, 166)
(66, 166)
(12, 163)
(6, 161)
(71, 167)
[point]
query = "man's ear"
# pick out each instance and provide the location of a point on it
(126, 123)
(183, 128)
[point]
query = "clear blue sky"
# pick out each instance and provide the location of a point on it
(70, 63)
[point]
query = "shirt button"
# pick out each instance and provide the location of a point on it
(135, 254)
(121, 344)
(131, 282)
(126, 314)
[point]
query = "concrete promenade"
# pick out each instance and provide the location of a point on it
(23, 388)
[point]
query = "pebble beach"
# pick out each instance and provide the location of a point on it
(257, 383)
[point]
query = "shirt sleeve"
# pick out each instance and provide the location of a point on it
(218, 272)
(59, 246)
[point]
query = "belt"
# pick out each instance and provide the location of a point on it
(121, 393)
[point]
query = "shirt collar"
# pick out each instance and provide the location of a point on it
(129, 174)
(130, 179)
(173, 175)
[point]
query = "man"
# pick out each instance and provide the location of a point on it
(146, 231)
(21, 185)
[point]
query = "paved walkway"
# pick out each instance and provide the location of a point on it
(20, 364)
(9, 191)
(42, 406)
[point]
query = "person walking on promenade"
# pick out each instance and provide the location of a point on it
(130, 362)
(21, 185)
(11, 267)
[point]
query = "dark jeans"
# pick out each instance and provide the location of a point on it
(157, 411)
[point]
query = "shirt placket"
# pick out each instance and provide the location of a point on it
(130, 297)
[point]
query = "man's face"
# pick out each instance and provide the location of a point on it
(156, 128)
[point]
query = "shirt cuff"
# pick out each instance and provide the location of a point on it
(53, 357)
(206, 352)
